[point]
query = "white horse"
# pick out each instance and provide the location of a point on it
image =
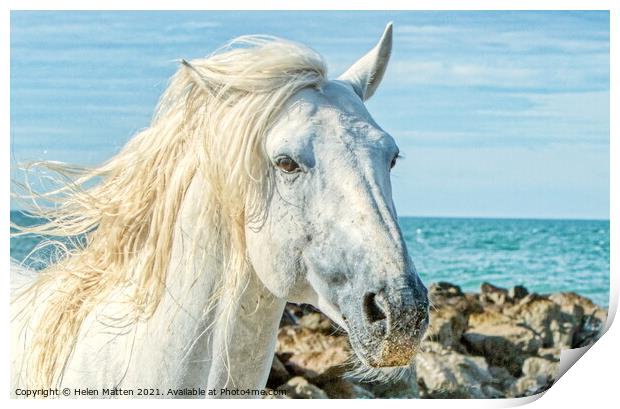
(259, 182)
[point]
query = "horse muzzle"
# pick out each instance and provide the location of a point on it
(392, 327)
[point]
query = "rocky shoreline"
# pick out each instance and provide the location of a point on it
(496, 343)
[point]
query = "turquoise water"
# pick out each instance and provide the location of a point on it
(543, 255)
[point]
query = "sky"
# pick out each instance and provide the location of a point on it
(497, 114)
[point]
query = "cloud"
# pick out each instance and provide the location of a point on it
(533, 51)
(189, 26)
(534, 37)
(534, 120)
(460, 73)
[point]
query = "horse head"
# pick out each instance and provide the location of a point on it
(330, 235)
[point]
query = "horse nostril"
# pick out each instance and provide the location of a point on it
(373, 309)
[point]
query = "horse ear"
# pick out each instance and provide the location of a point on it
(366, 74)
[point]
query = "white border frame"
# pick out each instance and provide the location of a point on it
(591, 382)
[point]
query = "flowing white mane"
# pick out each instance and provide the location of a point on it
(210, 124)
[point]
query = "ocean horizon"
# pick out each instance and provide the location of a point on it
(544, 255)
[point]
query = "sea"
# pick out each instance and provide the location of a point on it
(545, 256)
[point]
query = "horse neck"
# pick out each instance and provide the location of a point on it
(217, 342)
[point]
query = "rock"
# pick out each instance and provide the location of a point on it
(317, 322)
(449, 314)
(529, 298)
(490, 317)
(312, 354)
(546, 318)
(551, 354)
(505, 345)
(535, 367)
(278, 374)
(528, 386)
(496, 343)
(300, 388)
(491, 392)
(591, 329)
(297, 339)
(344, 389)
(567, 300)
(601, 315)
(590, 319)
(327, 365)
(501, 338)
(453, 296)
(517, 292)
(444, 289)
(442, 294)
(502, 377)
(446, 326)
(538, 375)
(491, 293)
(288, 316)
(447, 374)
(569, 305)
(404, 387)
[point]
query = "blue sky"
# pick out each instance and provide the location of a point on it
(498, 114)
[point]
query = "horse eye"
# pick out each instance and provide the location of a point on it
(287, 164)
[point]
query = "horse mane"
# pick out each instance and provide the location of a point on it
(209, 123)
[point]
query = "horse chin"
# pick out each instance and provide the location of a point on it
(390, 356)
(361, 369)
(382, 361)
